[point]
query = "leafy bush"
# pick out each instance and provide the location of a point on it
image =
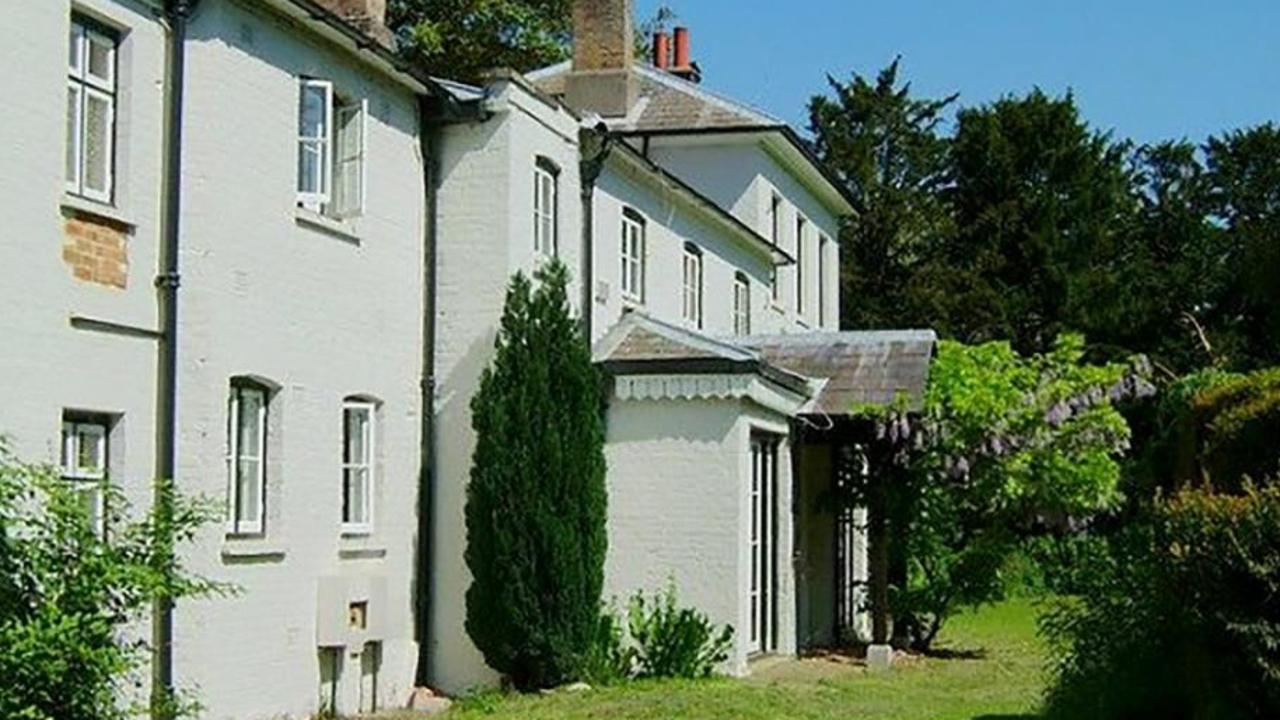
(1215, 428)
(610, 660)
(1006, 447)
(536, 503)
(1180, 620)
(1063, 562)
(674, 642)
(66, 595)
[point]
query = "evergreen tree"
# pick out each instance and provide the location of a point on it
(884, 143)
(536, 504)
(461, 39)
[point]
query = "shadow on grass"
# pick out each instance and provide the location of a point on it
(1022, 716)
(961, 654)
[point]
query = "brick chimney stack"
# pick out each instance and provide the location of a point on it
(368, 15)
(602, 80)
(684, 66)
(661, 50)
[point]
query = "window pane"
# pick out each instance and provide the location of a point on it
(73, 49)
(91, 450)
(101, 58)
(97, 142)
(68, 442)
(248, 491)
(249, 439)
(73, 134)
(311, 115)
(357, 421)
(355, 502)
(309, 158)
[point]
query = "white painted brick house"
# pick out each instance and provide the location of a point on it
(344, 228)
(299, 342)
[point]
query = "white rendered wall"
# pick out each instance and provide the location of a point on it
(744, 177)
(680, 509)
(48, 366)
(668, 226)
(323, 317)
(485, 236)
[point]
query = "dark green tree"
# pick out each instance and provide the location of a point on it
(536, 504)
(885, 146)
(1158, 291)
(1244, 171)
(461, 39)
(1039, 200)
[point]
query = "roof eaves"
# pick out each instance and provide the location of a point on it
(363, 42)
(786, 131)
(778, 255)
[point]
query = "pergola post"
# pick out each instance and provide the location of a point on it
(879, 653)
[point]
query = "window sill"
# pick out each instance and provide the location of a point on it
(360, 546)
(362, 553)
(100, 212)
(341, 229)
(235, 550)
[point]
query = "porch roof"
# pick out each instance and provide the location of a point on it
(837, 371)
(642, 345)
(860, 368)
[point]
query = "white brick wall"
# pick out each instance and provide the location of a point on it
(322, 316)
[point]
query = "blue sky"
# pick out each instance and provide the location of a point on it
(1146, 69)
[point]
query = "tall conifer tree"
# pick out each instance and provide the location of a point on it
(536, 504)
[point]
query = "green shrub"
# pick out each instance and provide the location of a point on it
(1064, 561)
(610, 660)
(1181, 620)
(66, 595)
(674, 642)
(536, 503)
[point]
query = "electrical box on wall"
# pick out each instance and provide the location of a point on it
(350, 611)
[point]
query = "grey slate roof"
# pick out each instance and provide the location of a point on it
(666, 102)
(861, 368)
(838, 370)
(641, 345)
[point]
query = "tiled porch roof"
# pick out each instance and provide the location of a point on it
(837, 370)
(641, 345)
(860, 368)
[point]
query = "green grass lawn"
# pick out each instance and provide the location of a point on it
(997, 674)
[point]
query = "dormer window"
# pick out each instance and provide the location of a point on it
(331, 151)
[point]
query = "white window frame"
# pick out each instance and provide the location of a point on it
(633, 258)
(823, 244)
(237, 525)
(86, 85)
(546, 217)
(353, 160)
(368, 465)
(691, 307)
(88, 481)
(322, 140)
(775, 236)
(741, 305)
(802, 228)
